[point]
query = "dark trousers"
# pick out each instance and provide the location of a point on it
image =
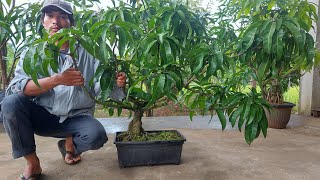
(23, 118)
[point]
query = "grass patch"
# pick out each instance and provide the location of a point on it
(292, 95)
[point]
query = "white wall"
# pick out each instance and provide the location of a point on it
(310, 82)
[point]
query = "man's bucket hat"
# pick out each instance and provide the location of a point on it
(64, 6)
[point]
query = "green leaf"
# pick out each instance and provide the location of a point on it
(107, 82)
(264, 124)
(247, 108)
(242, 116)
(122, 42)
(212, 67)
(247, 133)
(158, 85)
(168, 51)
(310, 48)
(54, 63)
(267, 36)
(119, 110)
(201, 102)
(135, 83)
(254, 130)
(252, 114)
(27, 62)
(87, 44)
(222, 118)
(235, 114)
(198, 64)
(34, 77)
(97, 25)
(182, 15)
(168, 20)
(191, 114)
(160, 36)
(150, 45)
(248, 38)
(157, 88)
(279, 44)
(177, 80)
(189, 30)
(45, 67)
(130, 25)
(295, 30)
(111, 111)
(262, 70)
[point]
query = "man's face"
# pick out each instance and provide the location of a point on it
(53, 21)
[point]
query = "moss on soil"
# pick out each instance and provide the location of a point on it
(149, 136)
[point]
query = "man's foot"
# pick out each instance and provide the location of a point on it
(33, 169)
(31, 177)
(66, 148)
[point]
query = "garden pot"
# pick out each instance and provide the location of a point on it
(150, 152)
(279, 115)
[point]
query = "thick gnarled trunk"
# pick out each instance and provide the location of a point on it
(135, 126)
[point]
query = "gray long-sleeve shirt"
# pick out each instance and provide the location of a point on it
(63, 101)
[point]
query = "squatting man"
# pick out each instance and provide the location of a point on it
(59, 107)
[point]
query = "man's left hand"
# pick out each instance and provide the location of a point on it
(121, 79)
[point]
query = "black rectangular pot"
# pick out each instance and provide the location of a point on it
(149, 153)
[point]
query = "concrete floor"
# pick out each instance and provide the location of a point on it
(208, 153)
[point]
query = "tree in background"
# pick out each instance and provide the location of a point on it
(15, 24)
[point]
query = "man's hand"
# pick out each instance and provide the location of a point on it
(121, 79)
(70, 77)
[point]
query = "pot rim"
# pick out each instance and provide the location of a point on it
(284, 105)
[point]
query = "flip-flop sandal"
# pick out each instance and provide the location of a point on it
(33, 176)
(64, 152)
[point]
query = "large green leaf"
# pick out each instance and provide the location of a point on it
(177, 80)
(149, 46)
(267, 36)
(248, 37)
(198, 64)
(235, 114)
(222, 118)
(295, 30)
(212, 67)
(158, 85)
(122, 42)
(279, 43)
(263, 67)
(310, 48)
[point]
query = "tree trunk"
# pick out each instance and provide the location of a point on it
(3, 67)
(149, 113)
(253, 83)
(135, 126)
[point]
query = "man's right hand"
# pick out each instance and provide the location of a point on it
(70, 77)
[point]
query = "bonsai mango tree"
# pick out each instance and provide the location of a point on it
(167, 54)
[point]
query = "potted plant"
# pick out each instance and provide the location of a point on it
(276, 46)
(165, 51)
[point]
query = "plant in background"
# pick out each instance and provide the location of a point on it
(276, 44)
(166, 52)
(16, 23)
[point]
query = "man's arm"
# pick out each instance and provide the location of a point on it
(70, 77)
